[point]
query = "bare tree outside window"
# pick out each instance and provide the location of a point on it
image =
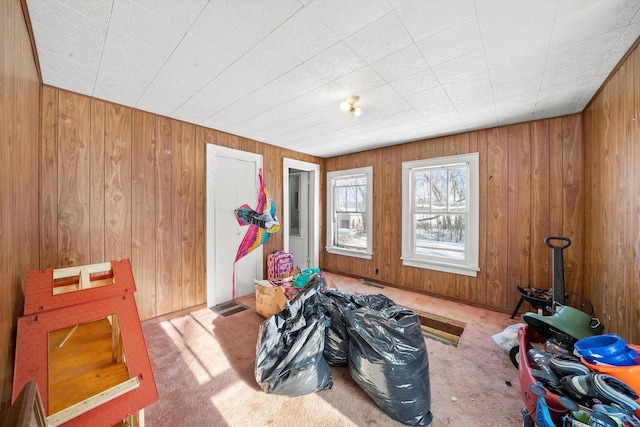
(440, 210)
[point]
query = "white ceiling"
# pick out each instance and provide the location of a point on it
(276, 70)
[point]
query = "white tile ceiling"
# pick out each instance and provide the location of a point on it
(276, 70)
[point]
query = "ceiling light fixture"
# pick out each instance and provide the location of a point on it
(351, 105)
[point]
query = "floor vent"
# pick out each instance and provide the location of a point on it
(375, 285)
(439, 328)
(228, 308)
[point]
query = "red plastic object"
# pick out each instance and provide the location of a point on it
(526, 336)
(54, 312)
(40, 295)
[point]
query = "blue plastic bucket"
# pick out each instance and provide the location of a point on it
(608, 348)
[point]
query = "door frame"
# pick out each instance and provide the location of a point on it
(213, 151)
(314, 197)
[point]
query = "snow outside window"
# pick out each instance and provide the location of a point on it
(350, 212)
(440, 214)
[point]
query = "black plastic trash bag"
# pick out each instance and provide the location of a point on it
(336, 345)
(290, 344)
(374, 302)
(336, 342)
(388, 359)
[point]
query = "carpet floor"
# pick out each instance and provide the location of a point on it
(203, 366)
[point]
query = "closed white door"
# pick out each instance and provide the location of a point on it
(232, 180)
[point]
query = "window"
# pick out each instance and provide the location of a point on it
(440, 214)
(350, 212)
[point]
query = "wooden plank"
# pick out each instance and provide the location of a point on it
(480, 296)
(27, 410)
(451, 144)
(540, 181)
(200, 219)
(607, 208)
(73, 178)
(117, 181)
(496, 235)
(49, 179)
(188, 225)
(86, 270)
(94, 401)
(143, 212)
(469, 285)
(618, 196)
(175, 242)
(631, 331)
(519, 216)
(96, 181)
(20, 151)
(163, 176)
(573, 209)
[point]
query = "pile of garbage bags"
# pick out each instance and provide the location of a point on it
(380, 342)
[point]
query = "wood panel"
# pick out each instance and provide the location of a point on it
(19, 165)
(117, 182)
(518, 167)
(480, 294)
(631, 331)
(143, 212)
(176, 214)
(145, 192)
(96, 182)
(518, 210)
(163, 199)
(73, 176)
(611, 182)
(188, 215)
(495, 235)
(200, 223)
(540, 202)
(49, 178)
(573, 202)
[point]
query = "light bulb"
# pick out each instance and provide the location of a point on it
(345, 106)
(357, 111)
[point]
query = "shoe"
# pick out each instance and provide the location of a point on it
(566, 364)
(593, 388)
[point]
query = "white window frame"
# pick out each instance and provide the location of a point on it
(332, 217)
(469, 265)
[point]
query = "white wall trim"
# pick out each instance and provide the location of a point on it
(309, 167)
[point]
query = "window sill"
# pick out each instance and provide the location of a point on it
(441, 266)
(346, 252)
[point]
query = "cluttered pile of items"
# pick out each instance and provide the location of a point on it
(318, 327)
(571, 374)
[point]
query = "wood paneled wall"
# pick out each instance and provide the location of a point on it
(19, 124)
(530, 188)
(612, 200)
(118, 182)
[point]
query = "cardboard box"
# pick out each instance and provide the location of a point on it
(270, 299)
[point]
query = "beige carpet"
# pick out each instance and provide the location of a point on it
(203, 365)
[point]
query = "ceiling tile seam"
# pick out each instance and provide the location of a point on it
(256, 90)
(343, 40)
(546, 59)
(430, 69)
(104, 42)
(493, 95)
(234, 62)
(329, 79)
(172, 52)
